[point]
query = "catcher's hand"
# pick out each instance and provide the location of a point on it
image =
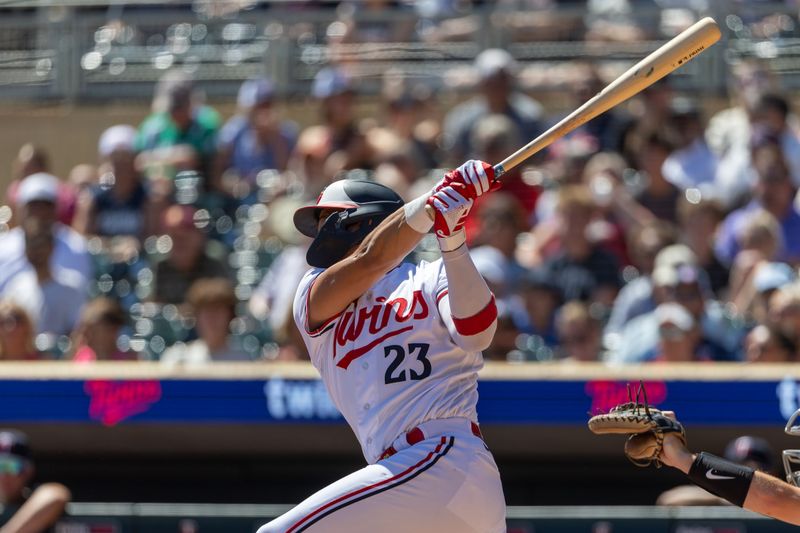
(645, 426)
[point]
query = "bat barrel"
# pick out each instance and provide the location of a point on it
(672, 55)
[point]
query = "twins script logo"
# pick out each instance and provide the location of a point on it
(607, 394)
(111, 402)
(351, 325)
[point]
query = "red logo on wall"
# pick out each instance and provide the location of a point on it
(111, 402)
(607, 394)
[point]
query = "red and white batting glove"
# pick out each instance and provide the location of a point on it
(472, 179)
(467, 182)
(450, 209)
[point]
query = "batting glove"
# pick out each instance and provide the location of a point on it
(450, 210)
(472, 179)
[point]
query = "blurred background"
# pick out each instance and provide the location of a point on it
(151, 157)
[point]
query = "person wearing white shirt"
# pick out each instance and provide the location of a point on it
(37, 201)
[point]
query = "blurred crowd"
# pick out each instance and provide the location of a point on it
(657, 232)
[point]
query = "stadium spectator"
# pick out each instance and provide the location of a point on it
(783, 311)
(579, 333)
(213, 304)
(36, 200)
(580, 269)
(271, 301)
(680, 281)
(496, 70)
(180, 133)
(119, 204)
(346, 146)
(636, 297)
(768, 121)
(97, 334)
(31, 508)
(649, 113)
(768, 278)
(188, 259)
(540, 299)
(52, 299)
(500, 220)
(657, 195)
(766, 344)
(604, 131)
(17, 332)
(494, 137)
(681, 338)
(32, 159)
(308, 162)
(773, 192)
(81, 177)
(692, 164)
(730, 129)
(411, 113)
(254, 139)
(698, 220)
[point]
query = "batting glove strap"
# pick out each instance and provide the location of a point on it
(453, 241)
(416, 217)
(721, 477)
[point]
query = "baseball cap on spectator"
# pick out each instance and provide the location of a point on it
(753, 451)
(494, 61)
(255, 92)
(771, 276)
(674, 255)
(14, 444)
(670, 276)
(120, 137)
(330, 82)
(675, 314)
(41, 187)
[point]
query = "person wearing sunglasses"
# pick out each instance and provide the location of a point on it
(26, 509)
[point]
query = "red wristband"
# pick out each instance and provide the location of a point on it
(479, 322)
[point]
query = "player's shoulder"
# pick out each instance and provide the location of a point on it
(308, 278)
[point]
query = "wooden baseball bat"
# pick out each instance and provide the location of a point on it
(672, 55)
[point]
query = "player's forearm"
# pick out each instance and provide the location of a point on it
(773, 497)
(391, 241)
(466, 288)
(470, 303)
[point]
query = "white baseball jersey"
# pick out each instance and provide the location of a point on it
(388, 360)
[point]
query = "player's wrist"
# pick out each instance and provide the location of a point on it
(416, 214)
(454, 242)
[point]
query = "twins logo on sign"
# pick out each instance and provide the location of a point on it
(387, 318)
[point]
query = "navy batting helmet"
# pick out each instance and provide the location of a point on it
(362, 206)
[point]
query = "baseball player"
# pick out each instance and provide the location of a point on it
(399, 346)
(740, 485)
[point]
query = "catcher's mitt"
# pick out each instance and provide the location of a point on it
(645, 426)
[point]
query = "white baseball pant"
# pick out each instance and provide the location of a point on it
(447, 483)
